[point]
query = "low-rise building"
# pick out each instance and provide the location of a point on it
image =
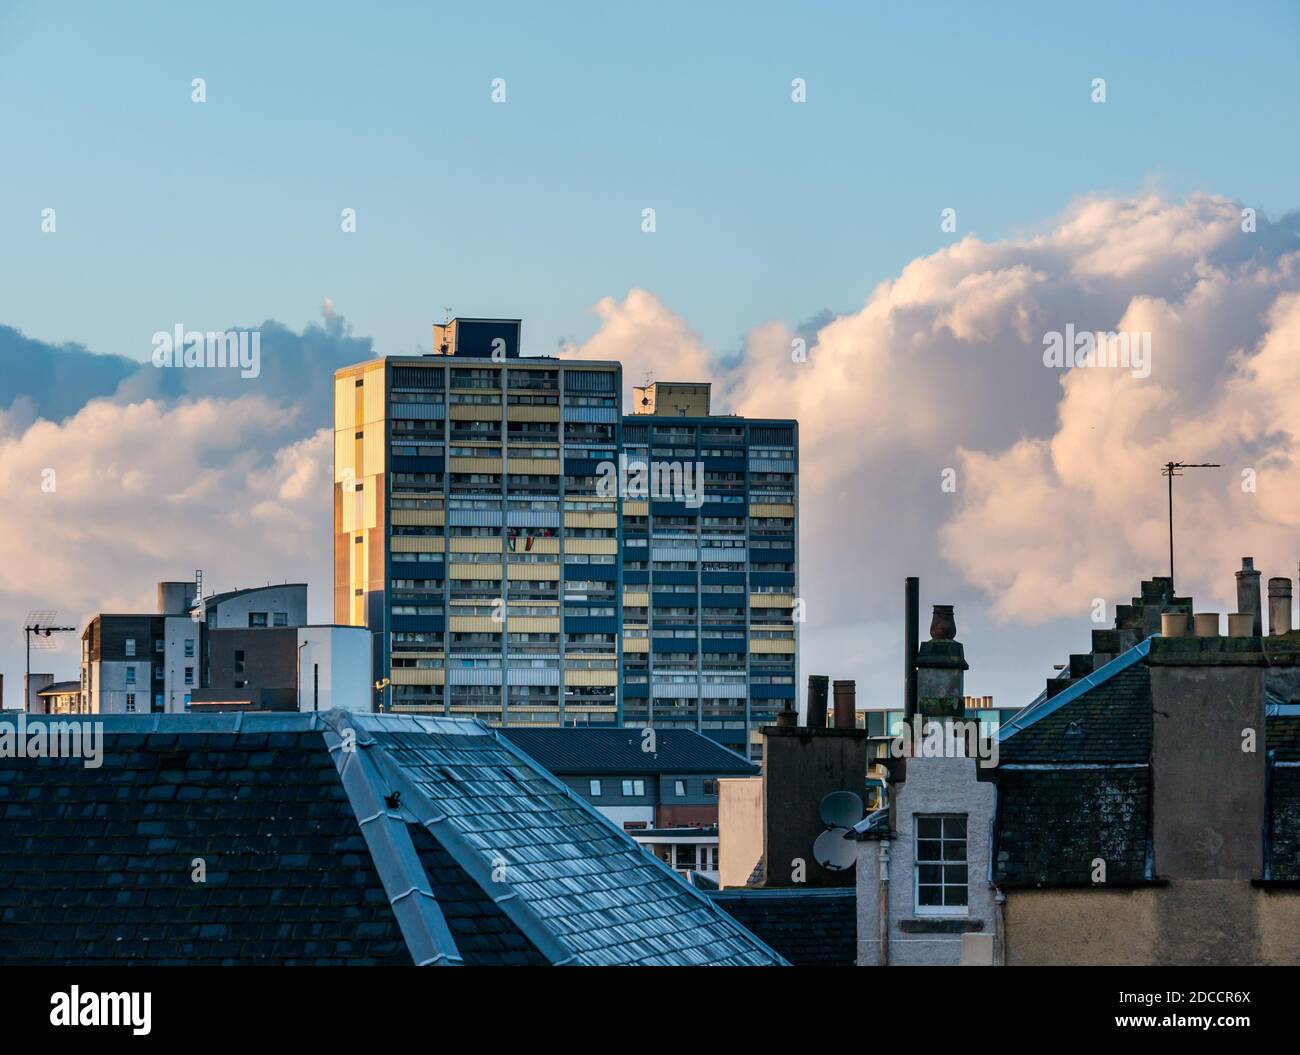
(1148, 812)
(304, 668)
(60, 697)
(155, 663)
(661, 785)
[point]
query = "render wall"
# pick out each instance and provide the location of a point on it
(740, 828)
(1202, 922)
(933, 785)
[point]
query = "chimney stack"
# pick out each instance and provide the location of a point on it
(1248, 600)
(817, 685)
(941, 668)
(1279, 606)
(846, 695)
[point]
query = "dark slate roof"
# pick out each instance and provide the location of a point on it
(484, 934)
(810, 928)
(1109, 723)
(1074, 782)
(576, 751)
(329, 838)
(96, 864)
(59, 688)
(1282, 738)
(1052, 824)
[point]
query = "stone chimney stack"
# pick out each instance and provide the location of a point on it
(941, 668)
(1248, 599)
(1279, 606)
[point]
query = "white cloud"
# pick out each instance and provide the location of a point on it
(153, 491)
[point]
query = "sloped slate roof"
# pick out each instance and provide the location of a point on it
(1111, 722)
(567, 870)
(810, 928)
(96, 865)
(330, 838)
(1074, 784)
(569, 751)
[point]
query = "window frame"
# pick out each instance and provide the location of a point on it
(942, 862)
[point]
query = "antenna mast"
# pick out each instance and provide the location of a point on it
(1172, 469)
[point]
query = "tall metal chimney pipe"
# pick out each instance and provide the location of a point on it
(817, 686)
(911, 642)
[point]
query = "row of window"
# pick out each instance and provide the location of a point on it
(636, 788)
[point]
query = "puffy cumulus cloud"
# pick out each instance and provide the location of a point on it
(1058, 495)
(102, 505)
(646, 338)
(119, 474)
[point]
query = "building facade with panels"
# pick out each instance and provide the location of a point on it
(472, 536)
(710, 569)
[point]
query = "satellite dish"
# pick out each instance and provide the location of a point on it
(841, 809)
(834, 852)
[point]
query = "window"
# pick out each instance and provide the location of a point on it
(941, 866)
(189, 675)
(130, 675)
(281, 619)
(710, 787)
(256, 619)
(189, 648)
(679, 788)
(633, 787)
(239, 661)
(595, 787)
(130, 703)
(128, 646)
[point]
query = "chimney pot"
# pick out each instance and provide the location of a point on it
(1241, 624)
(1173, 624)
(1279, 606)
(846, 693)
(1206, 624)
(817, 685)
(1248, 600)
(943, 624)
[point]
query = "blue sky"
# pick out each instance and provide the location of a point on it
(228, 212)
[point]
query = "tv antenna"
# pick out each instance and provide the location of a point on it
(1171, 470)
(42, 626)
